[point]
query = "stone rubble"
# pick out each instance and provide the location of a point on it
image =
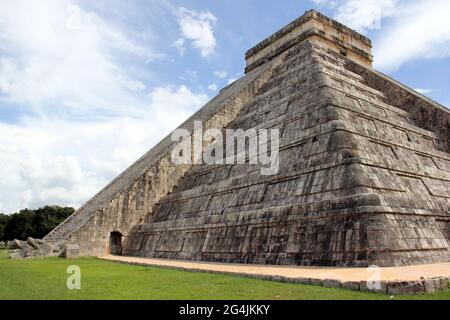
(35, 248)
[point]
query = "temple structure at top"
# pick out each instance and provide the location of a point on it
(312, 26)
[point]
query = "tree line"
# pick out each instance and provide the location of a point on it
(32, 223)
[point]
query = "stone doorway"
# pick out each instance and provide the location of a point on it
(115, 243)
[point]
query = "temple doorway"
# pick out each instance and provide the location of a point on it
(115, 243)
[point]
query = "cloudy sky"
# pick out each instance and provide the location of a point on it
(86, 87)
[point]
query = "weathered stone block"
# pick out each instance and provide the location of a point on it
(430, 285)
(18, 244)
(406, 287)
(16, 254)
(42, 248)
(352, 285)
(436, 284)
(71, 251)
(315, 282)
(328, 283)
(380, 287)
(302, 281)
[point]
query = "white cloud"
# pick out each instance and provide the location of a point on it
(197, 27)
(220, 74)
(363, 15)
(212, 87)
(421, 29)
(329, 3)
(410, 29)
(172, 105)
(423, 91)
(179, 44)
(62, 162)
(134, 85)
(230, 81)
(59, 180)
(56, 56)
(88, 115)
(189, 75)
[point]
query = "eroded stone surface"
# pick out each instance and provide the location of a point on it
(406, 288)
(71, 251)
(436, 284)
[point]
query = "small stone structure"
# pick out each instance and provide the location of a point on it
(35, 248)
(364, 169)
(70, 251)
(32, 248)
(2, 245)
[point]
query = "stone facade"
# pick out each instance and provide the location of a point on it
(71, 251)
(364, 171)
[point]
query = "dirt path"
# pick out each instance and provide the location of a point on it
(409, 273)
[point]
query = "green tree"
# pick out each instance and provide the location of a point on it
(19, 225)
(47, 218)
(3, 222)
(34, 223)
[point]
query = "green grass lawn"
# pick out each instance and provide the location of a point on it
(46, 279)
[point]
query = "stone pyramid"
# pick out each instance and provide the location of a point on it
(364, 173)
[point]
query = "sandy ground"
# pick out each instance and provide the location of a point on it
(408, 273)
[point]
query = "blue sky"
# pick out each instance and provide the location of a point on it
(86, 87)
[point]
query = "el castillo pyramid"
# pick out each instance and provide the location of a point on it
(364, 169)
